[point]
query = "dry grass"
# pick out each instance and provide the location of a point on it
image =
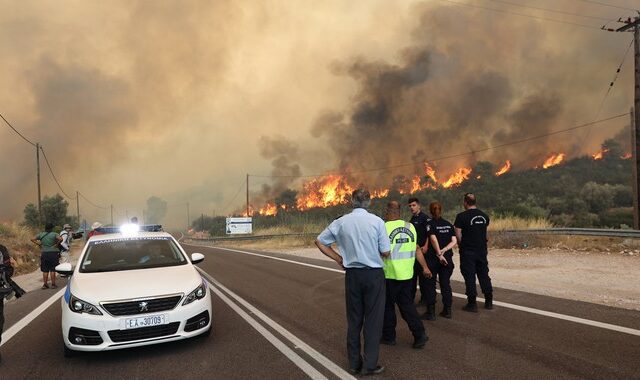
(290, 229)
(17, 239)
(515, 223)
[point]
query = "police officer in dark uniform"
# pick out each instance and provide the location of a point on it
(471, 231)
(439, 259)
(419, 220)
(7, 268)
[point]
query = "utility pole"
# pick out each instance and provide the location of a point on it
(111, 214)
(78, 207)
(38, 175)
(248, 196)
(633, 25)
(634, 169)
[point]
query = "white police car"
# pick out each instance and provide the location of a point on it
(130, 289)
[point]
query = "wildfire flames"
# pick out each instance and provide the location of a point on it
(553, 160)
(600, 154)
(324, 192)
(504, 169)
(457, 178)
(269, 209)
(334, 189)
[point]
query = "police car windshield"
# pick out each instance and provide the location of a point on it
(130, 254)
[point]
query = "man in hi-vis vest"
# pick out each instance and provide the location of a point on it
(398, 272)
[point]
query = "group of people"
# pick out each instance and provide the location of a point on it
(385, 261)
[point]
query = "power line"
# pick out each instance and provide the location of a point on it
(615, 78)
(225, 208)
(608, 5)
(441, 158)
(53, 175)
(521, 14)
(91, 203)
(551, 10)
(16, 131)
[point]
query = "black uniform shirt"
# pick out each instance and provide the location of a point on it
(443, 230)
(420, 223)
(473, 224)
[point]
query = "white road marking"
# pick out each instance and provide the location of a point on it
(13, 330)
(281, 346)
(297, 342)
(588, 322)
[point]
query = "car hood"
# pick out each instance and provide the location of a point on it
(112, 286)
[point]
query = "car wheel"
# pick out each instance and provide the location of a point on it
(69, 353)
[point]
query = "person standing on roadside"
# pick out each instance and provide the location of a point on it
(67, 236)
(94, 230)
(49, 254)
(362, 241)
(419, 220)
(398, 271)
(439, 257)
(7, 268)
(471, 231)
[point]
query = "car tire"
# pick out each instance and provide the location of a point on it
(69, 353)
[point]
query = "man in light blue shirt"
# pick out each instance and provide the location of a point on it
(362, 241)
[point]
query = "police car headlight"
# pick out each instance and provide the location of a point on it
(79, 306)
(196, 294)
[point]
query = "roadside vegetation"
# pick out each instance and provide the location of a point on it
(16, 238)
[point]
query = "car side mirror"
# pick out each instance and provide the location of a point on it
(65, 269)
(197, 258)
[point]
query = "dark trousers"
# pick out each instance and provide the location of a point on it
(443, 272)
(418, 278)
(365, 294)
(474, 264)
(399, 293)
(1, 318)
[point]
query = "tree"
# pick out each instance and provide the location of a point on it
(156, 210)
(31, 217)
(54, 210)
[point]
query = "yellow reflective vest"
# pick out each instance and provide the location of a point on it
(399, 265)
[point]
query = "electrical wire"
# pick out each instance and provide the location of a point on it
(16, 131)
(225, 208)
(441, 158)
(54, 176)
(550, 10)
(521, 14)
(608, 5)
(606, 95)
(91, 203)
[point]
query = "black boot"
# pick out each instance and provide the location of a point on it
(471, 305)
(446, 312)
(430, 315)
(488, 301)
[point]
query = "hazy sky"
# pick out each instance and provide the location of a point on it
(180, 99)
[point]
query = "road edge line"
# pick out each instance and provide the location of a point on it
(551, 314)
(321, 359)
(18, 326)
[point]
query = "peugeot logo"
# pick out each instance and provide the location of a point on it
(144, 306)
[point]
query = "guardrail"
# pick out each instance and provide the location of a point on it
(633, 234)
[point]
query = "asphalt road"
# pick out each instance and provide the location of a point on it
(278, 320)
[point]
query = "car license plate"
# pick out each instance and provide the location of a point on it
(151, 320)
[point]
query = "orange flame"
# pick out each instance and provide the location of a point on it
(270, 209)
(324, 192)
(415, 184)
(457, 178)
(504, 169)
(379, 193)
(553, 160)
(430, 172)
(600, 154)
